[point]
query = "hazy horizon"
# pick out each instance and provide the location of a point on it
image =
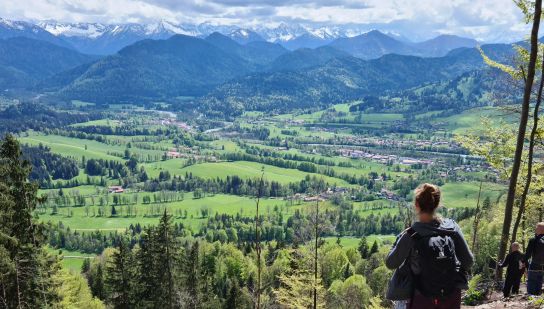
(415, 20)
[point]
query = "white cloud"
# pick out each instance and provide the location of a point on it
(489, 20)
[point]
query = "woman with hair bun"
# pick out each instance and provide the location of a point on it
(433, 256)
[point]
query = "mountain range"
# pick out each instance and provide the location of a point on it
(24, 61)
(342, 79)
(374, 44)
(239, 71)
(223, 75)
(11, 29)
(107, 39)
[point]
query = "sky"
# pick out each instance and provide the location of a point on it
(485, 20)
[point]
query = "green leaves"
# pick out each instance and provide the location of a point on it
(515, 73)
(527, 7)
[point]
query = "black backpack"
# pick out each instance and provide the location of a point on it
(538, 251)
(438, 264)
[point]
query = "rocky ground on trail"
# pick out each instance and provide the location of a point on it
(496, 301)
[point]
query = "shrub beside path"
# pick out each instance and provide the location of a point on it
(496, 301)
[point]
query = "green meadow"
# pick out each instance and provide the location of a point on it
(99, 122)
(71, 260)
(353, 242)
(79, 148)
(247, 169)
(470, 120)
(76, 217)
(73, 147)
(173, 166)
(465, 194)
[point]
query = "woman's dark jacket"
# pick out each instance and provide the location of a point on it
(404, 248)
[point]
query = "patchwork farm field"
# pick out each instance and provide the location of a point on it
(158, 163)
(190, 211)
(149, 160)
(253, 170)
(73, 147)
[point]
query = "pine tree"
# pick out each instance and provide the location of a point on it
(120, 277)
(348, 272)
(147, 268)
(158, 265)
(363, 248)
(192, 277)
(25, 268)
(168, 251)
(97, 286)
(233, 295)
(86, 266)
(374, 248)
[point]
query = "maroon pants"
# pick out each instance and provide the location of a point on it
(453, 301)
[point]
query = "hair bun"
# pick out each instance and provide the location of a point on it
(427, 197)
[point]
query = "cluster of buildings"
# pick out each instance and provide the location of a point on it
(391, 142)
(457, 172)
(296, 122)
(323, 196)
(116, 189)
(360, 154)
(174, 122)
(175, 153)
(388, 195)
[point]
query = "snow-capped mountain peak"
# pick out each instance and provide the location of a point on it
(241, 32)
(90, 30)
(18, 25)
(325, 33)
(282, 32)
(6, 23)
(165, 26)
(12, 28)
(244, 36)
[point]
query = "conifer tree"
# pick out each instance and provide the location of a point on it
(363, 247)
(25, 267)
(232, 297)
(147, 288)
(192, 277)
(374, 248)
(167, 257)
(86, 266)
(97, 284)
(258, 250)
(120, 277)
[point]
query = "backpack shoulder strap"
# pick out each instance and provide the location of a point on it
(413, 234)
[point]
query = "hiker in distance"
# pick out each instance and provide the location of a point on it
(431, 258)
(534, 257)
(515, 264)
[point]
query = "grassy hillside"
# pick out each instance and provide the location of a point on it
(246, 169)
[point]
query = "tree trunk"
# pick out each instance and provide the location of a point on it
(476, 218)
(258, 244)
(168, 267)
(19, 303)
(521, 137)
(523, 236)
(315, 252)
(530, 156)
